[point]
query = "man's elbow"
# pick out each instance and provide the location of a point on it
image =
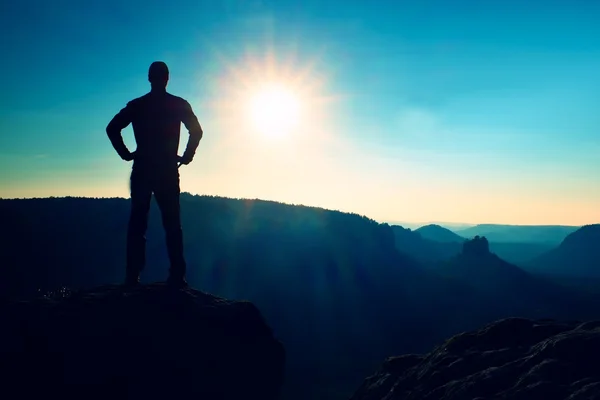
(110, 130)
(113, 130)
(197, 133)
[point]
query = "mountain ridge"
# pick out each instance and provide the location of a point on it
(551, 234)
(439, 234)
(578, 255)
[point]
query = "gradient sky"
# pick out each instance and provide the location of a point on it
(462, 111)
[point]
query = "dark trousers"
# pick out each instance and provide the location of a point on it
(165, 186)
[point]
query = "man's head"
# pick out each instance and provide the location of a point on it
(158, 74)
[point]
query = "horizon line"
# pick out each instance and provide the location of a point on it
(389, 222)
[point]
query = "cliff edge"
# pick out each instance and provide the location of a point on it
(147, 342)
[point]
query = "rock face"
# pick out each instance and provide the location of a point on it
(142, 343)
(478, 246)
(509, 359)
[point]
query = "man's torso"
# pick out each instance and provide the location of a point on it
(156, 121)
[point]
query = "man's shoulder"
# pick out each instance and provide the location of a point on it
(138, 100)
(178, 100)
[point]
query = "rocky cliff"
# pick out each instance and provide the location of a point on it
(142, 343)
(509, 359)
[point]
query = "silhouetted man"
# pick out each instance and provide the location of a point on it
(156, 119)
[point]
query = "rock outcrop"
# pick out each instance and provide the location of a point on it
(143, 343)
(509, 359)
(478, 246)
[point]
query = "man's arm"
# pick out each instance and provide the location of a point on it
(190, 121)
(114, 128)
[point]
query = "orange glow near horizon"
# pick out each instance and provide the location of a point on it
(274, 131)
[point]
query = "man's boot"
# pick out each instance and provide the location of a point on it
(132, 279)
(177, 281)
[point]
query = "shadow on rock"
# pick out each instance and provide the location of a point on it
(510, 359)
(147, 342)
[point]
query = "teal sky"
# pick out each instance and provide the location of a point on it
(459, 111)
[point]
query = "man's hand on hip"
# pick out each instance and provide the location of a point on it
(185, 160)
(129, 157)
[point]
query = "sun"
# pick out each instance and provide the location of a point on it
(274, 110)
(282, 100)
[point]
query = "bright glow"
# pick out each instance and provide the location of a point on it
(262, 102)
(274, 110)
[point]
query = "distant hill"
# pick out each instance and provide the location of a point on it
(519, 253)
(453, 226)
(478, 266)
(548, 234)
(577, 256)
(439, 234)
(508, 286)
(423, 250)
(415, 244)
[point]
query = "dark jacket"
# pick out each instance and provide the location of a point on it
(156, 119)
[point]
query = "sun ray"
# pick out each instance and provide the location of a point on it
(272, 94)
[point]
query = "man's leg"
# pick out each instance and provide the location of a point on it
(167, 198)
(141, 195)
